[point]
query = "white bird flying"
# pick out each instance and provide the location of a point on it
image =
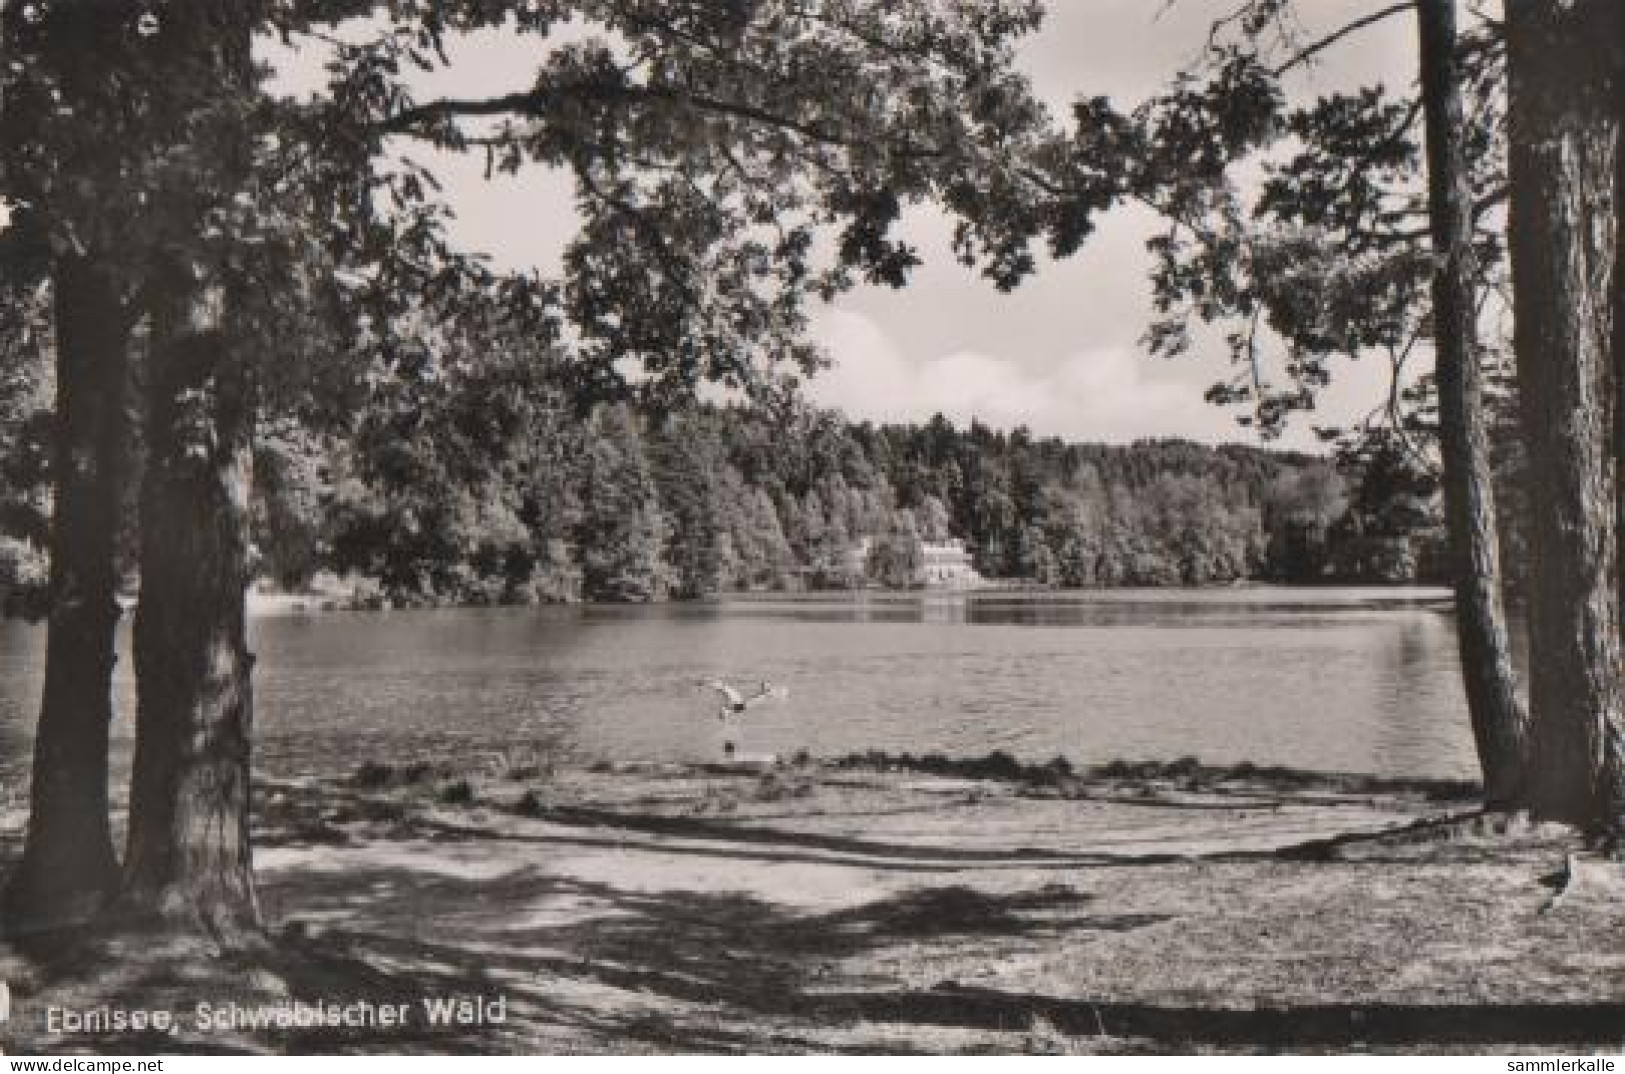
(736, 703)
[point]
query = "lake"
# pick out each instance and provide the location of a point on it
(1344, 679)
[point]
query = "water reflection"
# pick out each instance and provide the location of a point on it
(1417, 691)
(1356, 680)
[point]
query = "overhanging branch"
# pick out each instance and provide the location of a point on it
(1309, 52)
(534, 103)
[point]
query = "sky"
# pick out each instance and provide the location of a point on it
(1062, 354)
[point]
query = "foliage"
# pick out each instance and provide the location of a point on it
(897, 557)
(622, 531)
(24, 578)
(25, 389)
(1295, 229)
(729, 163)
(453, 481)
(707, 499)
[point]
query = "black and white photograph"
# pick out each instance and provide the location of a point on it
(812, 528)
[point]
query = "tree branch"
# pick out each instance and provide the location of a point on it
(534, 102)
(1309, 52)
(404, 121)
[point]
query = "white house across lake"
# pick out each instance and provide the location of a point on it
(948, 564)
(944, 564)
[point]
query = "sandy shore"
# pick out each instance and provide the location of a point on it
(868, 907)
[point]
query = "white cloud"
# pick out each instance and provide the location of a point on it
(1110, 394)
(1101, 394)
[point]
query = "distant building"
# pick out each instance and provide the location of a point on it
(947, 563)
(944, 564)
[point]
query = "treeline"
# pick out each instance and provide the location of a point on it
(24, 481)
(490, 486)
(483, 483)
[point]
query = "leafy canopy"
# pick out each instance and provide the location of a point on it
(1295, 229)
(730, 162)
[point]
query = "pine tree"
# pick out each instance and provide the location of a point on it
(622, 532)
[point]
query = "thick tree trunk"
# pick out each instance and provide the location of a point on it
(1564, 140)
(1614, 743)
(189, 860)
(68, 866)
(1500, 724)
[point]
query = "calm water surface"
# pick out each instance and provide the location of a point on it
(1359, 680)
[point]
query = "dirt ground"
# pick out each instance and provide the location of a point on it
(884, 905)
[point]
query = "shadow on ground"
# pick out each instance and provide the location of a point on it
(385, 903)
(707, 972)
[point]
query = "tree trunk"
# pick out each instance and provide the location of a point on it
(189, 863)
(68, 866)
(1564, 138)
(1500, 724)
(1614, 743)
(189, 859)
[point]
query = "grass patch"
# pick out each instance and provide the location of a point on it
(1189, 773)
(997, 765)
(458, 793)
(376, 776)
(776, 787)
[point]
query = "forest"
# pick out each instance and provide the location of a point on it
(488, 489)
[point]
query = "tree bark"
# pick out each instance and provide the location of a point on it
(189, 859)
(68, 866)
(1500, 724)
(189, 862)
(1563, 146)
(1614, 742)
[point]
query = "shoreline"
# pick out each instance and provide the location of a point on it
(275, 602)
(347, 597)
